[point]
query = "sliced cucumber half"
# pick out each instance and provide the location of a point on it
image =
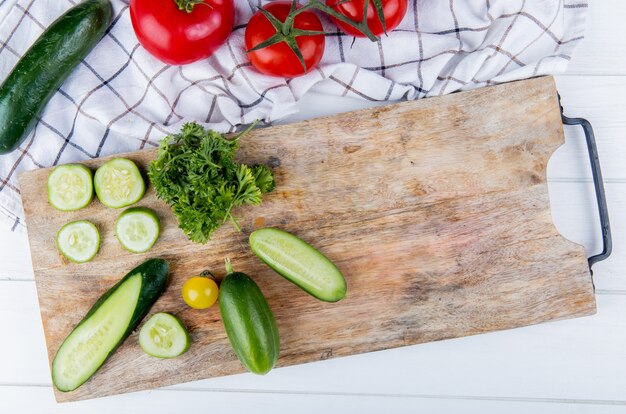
(119, 183)
(79, 241)
(70, 187)
(137, 228)
(164, 336)
(109, 322)
(88, 346)
(300, 263)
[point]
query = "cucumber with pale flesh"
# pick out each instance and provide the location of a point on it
(164, 336)
(137, 228)
(109, 322)
(79, 241)
(70, 187)
(300, 263)
(119, 183)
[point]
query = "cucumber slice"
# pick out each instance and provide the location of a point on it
(70, 187)
(164, 336)
(137, 228)
(119, 183)
(298, 262)
(79, 241)
(111, 320)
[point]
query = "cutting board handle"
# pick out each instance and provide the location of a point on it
(607, 241)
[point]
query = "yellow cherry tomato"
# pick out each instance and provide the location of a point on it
(200, 292)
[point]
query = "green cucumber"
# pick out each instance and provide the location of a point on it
(79, 241)
(119, 183)
(300, 263)
(70, 187)
(164, 336)
(249, 322)
(137, 228)
(111, 319)
(45, 66)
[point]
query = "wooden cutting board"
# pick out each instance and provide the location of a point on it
(436, 210)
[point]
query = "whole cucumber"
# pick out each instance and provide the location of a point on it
(46, 65)
(249, 322)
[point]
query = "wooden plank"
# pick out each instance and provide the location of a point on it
(493, 367)
(597, 98)
(602, 51)
(576, 217)
(15, 256)
(457, 222)
(600, 101)
(548, 361)
(164, 401)
(573, 211)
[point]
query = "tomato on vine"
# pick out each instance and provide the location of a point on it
(178, 32)
(283, 38)
(382, 15)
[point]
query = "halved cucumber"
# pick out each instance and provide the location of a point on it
(79, 241)
(137, 228)
(111, 319)
(70, 187)
(119, 183)
(300, 263)
(164, 336)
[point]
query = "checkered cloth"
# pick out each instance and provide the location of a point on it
(122, 99)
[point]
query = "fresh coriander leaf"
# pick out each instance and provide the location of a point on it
(263, 178)
(195, 172)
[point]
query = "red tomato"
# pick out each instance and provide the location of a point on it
(177, 37)
(393, 10)
(278, 59)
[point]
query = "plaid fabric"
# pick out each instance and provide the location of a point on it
(122, 99)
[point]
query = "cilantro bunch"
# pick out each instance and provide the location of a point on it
(196, 174)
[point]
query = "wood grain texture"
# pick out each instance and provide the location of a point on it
(436, 211)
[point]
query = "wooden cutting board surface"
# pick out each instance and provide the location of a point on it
(437, 212)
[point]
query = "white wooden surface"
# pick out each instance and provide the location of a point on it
(575, 366)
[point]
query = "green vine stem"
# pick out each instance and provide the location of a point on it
(286, 32)
(207, 273)
(360, 26)
(228, 265)
(188, 5)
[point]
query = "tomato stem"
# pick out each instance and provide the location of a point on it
(360, 26)
(207, 273)
(285, 31)
(378, 6)
(188, 5)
